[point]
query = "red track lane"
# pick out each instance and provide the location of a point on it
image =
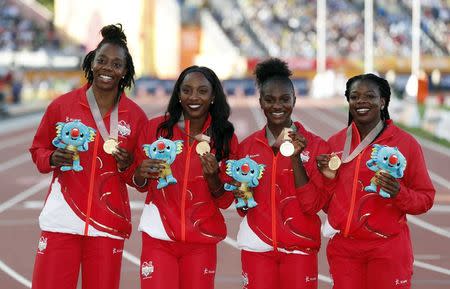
(21, 187)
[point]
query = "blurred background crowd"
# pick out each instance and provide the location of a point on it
(42, 43)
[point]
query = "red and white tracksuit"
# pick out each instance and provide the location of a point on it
(280, 237)
(181, 223)
(373, 248)
(86, 216)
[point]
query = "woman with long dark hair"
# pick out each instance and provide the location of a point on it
(178, 164)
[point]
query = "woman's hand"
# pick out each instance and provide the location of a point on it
(61, 157)
(322, 165)
(388, 183)
(299, 142)
(123, 158)
(149, 168)
(209, 165)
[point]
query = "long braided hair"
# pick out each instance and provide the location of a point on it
(112, 34)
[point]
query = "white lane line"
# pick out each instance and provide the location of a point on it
(16, 124)
(427, 226)
(233, 244)
(23, 158)
(430, 267)
(25, 138)
(23, 195)
(130, 257)
(438, 179)
(440, 209)
(13, 274)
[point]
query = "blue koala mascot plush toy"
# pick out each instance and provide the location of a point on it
(247, 172)
(166, 150)
(73, 136)
(385, 159)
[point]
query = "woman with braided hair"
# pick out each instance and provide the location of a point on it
(382, 178)
(86, 216)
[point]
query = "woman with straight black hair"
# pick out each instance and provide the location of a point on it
(180, 160)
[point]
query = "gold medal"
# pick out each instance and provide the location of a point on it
(334, 163)
(110, 146)
(287, 149)
(202, 148)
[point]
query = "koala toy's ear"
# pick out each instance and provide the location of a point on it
(229, 166)
(146, 149)
(179, 145)
(261, 170)
(59, 127)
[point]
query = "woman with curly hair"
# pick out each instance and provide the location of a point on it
(86, 139)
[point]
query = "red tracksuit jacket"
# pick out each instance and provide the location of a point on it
(364, 215)
(188, 210)
(280, 219)
(97, 194)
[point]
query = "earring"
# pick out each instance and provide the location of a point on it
(382, 107)
(123, 77)
(212, 101)
(179, 100)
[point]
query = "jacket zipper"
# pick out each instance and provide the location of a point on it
(185, 180)
(91, 187)
(273, 204)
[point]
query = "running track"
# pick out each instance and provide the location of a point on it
(23, 190)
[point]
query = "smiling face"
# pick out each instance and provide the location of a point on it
(108, 67)
(365, 103)
(195, 95)
(277, 100)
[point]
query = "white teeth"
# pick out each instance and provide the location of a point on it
(362, 110)
(106, 77)
(277, 113)
(194, 106)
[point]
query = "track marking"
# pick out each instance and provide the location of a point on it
(15, 124)
(24, 138)
(427, 226)
(440, 209)
(430, 267)
(25, 194)
(13, 274)
(23, 158)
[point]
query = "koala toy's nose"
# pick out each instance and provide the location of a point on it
(393, 159)
(74, 132)
(161, 146)
(245, 168)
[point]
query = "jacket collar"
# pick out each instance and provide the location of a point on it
(82, 99)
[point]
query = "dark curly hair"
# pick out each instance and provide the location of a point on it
(221, 129)
(112, 34)
(272, 69)
(381, 83)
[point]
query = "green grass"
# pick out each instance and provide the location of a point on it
(424, 134)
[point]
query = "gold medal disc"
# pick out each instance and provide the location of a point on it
(202, 148)
(110, 146)
(287, 149)
(334, 163)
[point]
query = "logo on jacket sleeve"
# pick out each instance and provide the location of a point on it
(42, 245)
(147, 269)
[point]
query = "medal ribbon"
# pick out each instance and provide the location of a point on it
(114, 119)
(346, 158)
